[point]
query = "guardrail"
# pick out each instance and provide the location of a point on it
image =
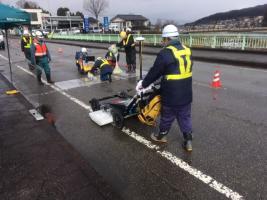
(219, 41)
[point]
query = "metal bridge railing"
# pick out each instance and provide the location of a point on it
(221, 41)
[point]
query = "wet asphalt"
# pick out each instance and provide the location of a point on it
(230, 127)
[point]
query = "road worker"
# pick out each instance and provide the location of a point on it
(26, 41)
(40, 58)
(129, 46)
(174, 66)
(105, 69)
(81, 58)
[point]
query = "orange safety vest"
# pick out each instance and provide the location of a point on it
(40, 49)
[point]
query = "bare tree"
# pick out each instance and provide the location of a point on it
(95, 7)
(27, 4)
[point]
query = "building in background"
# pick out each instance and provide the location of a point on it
(135, 22)
(36, 17)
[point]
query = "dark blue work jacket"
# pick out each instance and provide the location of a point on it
(174, 92)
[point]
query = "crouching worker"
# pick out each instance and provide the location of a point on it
(104, 67)
(112, 55)
(82, 60)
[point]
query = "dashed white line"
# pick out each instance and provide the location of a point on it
(211, 182)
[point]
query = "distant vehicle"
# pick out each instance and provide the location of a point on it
(114, 29)
(96, 30)
(76, 31)
(2, 42)
(44, 32)
(61, 31)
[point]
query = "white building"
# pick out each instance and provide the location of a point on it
(36, 17)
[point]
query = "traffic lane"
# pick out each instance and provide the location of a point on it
(223, 130)
(228, 146)
(55, 101)
(239, 78)
(127, 165)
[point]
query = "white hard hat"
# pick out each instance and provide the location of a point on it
(128, 29)
(39, 34)
(33, 34)
(170, 31)
(84, 50)
(99, 58)
(26, 32)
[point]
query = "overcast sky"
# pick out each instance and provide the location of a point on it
(180, 11)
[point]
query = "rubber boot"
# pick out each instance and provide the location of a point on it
(133, 68)
(48, 77)
(129, 68)
(187, 145)
(109, 78)
(159, 137)
(39, 79)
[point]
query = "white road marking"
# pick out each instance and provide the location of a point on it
(219, 187)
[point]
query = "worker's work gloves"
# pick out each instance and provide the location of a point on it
(139, 88)
(91, 77)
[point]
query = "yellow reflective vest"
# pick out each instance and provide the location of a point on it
(27, 42)
(104, 62)
(185, 63)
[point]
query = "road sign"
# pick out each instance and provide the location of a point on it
(86, 24)
(106, 24)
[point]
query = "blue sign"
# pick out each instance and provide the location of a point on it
(106, 24)
(86, 24)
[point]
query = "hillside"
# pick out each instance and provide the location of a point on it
(233, 14)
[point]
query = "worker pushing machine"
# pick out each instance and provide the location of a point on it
(40, 58)
(129, 45)
(174, 66)
(26, 42)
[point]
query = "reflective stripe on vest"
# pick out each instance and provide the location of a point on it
(125, 43)
(28, 44)
(40, 49)
(105, 62)
(181, 56)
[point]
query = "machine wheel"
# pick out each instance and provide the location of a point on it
(123, 94)
(94, 104)
(118, 119)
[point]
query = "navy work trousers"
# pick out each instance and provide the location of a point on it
(105, 72)
(182, 115)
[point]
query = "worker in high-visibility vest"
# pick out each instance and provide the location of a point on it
(129, 46)
(26, 41)
(174, 66)
(40, 57)
(104, 67)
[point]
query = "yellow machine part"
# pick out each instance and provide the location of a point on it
(10, 92)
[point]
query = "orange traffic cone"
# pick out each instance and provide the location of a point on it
(216, 83)
(59, 50)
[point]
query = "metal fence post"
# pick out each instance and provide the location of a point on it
(244, 42)
(214, 42)
(190, 41)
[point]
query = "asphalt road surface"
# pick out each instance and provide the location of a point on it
(230, 125)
